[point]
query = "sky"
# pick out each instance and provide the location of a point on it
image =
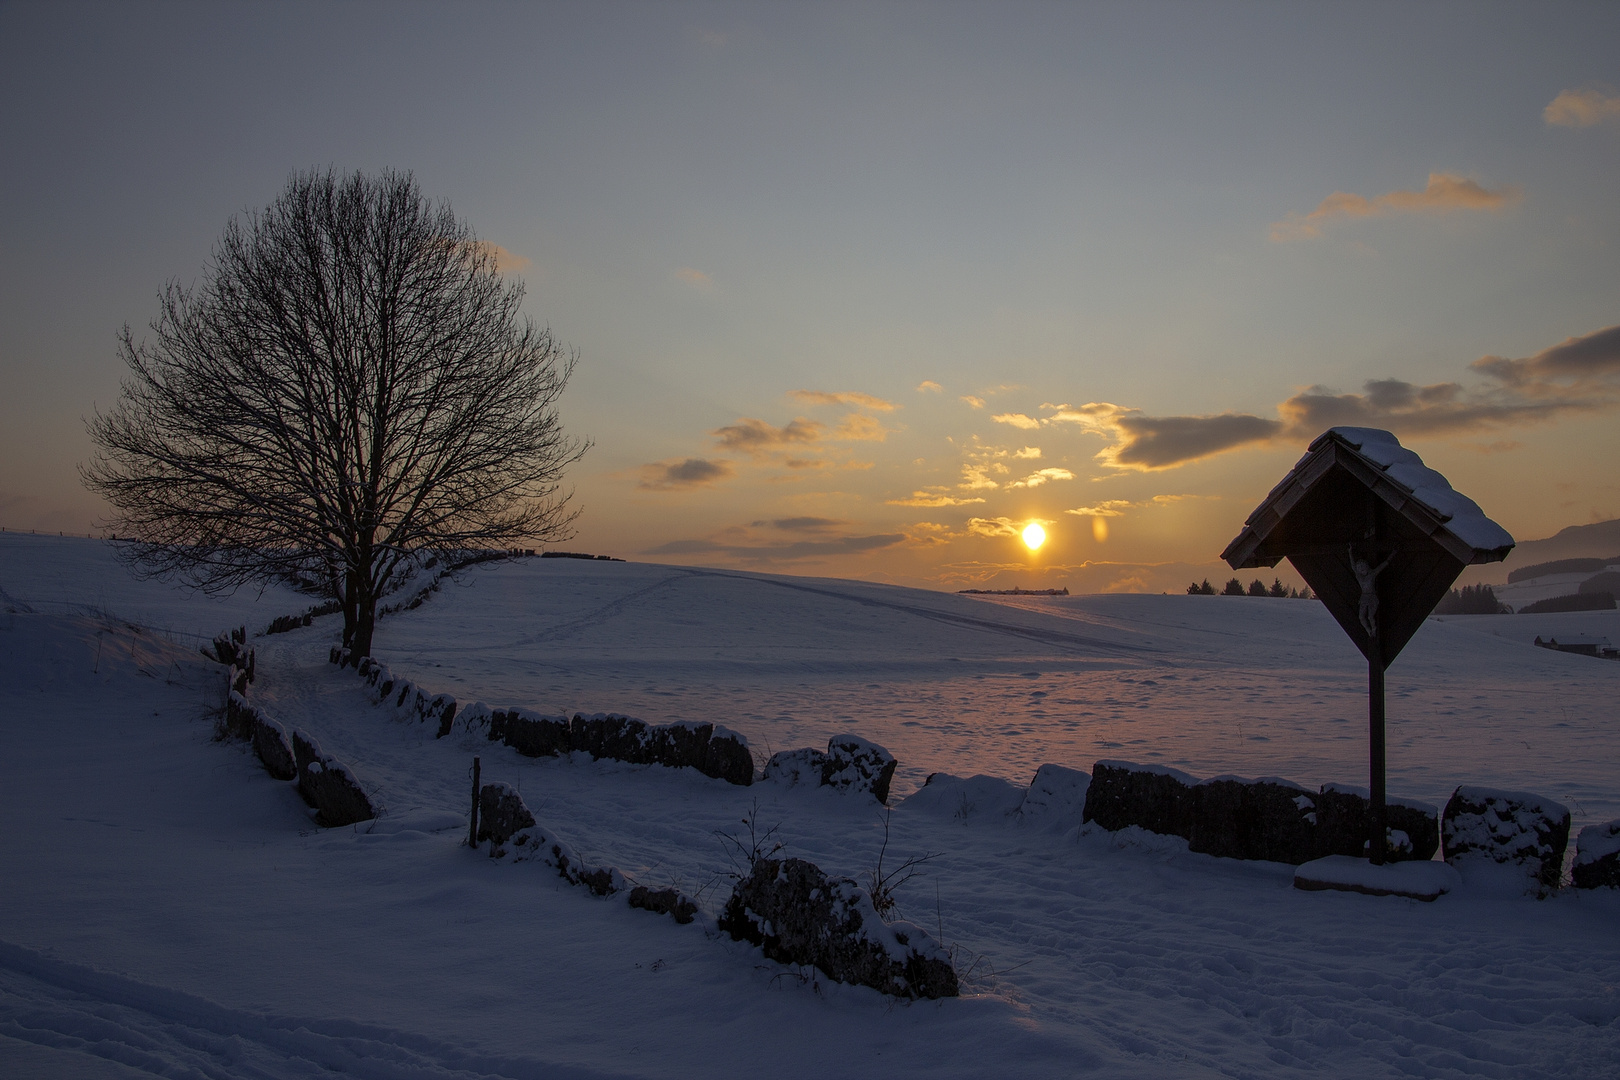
(863, 290)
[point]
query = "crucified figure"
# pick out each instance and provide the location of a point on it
(1367, 578)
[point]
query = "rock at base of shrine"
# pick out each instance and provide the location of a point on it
(1597, 857)
(856, 764)
(1514, 828)
(1152, 797)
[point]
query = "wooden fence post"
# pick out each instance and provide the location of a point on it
(472, 832)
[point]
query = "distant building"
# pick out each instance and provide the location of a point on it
(1583, 644)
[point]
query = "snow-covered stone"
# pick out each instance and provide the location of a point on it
(791, 768)
(1056, 797)
(328, 786)
(1152, 797)
(727, 757)
(512, 831)
(1412, 827)
(272, 747)
(530, 734)
(857, 764)
(798, 915)
(1515, 828)
(1416, 879)
(501, 814)
(1267, 819)
(672, 902)
(1597, 857)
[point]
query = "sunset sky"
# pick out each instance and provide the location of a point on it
(862, 290)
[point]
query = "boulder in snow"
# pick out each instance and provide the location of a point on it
(857, 764)
(682, 745)
(238, 716)
(1056, 797)
(328, 785)
(530, 734)
(501, 814)
(795, 767)
(1267, 819)
(1153, 797)
(273, 749)
(973, 800)
(1343, 817)
(1597, 857)
(1509, 827)
(677, 905)
(728, 758)
(609, 735)
(798, 915)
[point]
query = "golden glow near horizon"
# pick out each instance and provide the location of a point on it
(1099, 529)
(1034, 536)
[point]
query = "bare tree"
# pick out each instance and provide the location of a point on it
(350, 387)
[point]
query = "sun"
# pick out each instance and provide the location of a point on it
(1034, 536)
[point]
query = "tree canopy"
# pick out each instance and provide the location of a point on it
(351, 385)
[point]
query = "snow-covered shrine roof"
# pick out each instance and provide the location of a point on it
(1395, 475)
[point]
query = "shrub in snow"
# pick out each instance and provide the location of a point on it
(1056, 796)
(1510, 827)
(328, 785)
(677, 905)
(798, 915)
(1253, 819)
(1597, 857)
(851, 763)
(273, 749)
(1152, 797)
(512, 830)
(1344, 814)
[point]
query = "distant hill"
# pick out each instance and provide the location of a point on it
(1600, 540)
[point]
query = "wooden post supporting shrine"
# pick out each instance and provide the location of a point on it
(1378, 825)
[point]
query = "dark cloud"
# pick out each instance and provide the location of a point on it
(801, 549)
(1407, 409)
(802, 524)
(756, 437)
(1577, 360)
(674, 475)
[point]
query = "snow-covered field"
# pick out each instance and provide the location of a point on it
(168, 909)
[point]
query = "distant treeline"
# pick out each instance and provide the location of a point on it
(1016, 592)
(1256, 588)
(1471, 600)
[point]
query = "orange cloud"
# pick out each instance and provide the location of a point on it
(1017, 420)
(931, 386)
(696, 278)
(1445, 193)
(505, 261)
(1582, 108)
(848, 397)
(1036, 479)
(934, 498)
(975, 402)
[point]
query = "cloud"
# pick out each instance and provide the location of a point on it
(930, 386)
(1582, 108)
(1036, 479)
(1107, 508)
(756, 437)
(505, 261)
(858, 427)
(975, 402)
(1028, 452)
(848, 397)
(676, 475)
(700, 281)
(1017, 420)
(780, 552)
(1147, 443)
(934, 498)
(1577, 363)
(1445, 193)
(802, 524)
(994, 527)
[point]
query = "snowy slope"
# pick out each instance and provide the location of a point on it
(167, 909)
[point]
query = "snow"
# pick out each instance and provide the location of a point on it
(168, 908)
(1459, 513)
(1416, 879)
